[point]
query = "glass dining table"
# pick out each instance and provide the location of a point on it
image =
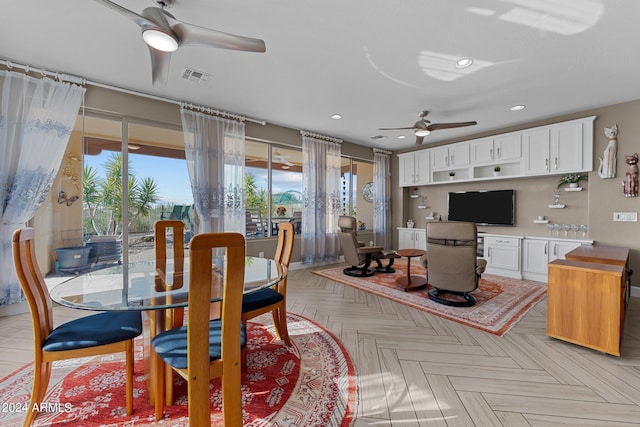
(153, 287)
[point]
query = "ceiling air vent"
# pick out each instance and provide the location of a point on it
(196, 76)
(376, 137)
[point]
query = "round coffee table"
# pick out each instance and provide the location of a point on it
(411, 282)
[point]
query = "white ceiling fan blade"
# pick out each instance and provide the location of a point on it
(190, 34)
(138, 19)
(159, 65)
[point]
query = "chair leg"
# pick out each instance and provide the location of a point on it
(280, 322)
(129, 375)
(38, 389)
(157, 372)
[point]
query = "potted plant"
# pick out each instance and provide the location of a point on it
(572, 180)
(496, 171)
(452, 174)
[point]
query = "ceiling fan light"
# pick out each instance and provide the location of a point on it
(160, 40)
(421, 132)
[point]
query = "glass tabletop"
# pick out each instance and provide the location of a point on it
(148, 285)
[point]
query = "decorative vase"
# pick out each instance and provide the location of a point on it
(573, 185)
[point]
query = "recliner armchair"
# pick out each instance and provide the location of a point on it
(364, 256)
(451, 262)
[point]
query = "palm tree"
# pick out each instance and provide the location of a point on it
(106, 195)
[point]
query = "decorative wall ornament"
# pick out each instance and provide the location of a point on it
(630, 185)
(608, 160)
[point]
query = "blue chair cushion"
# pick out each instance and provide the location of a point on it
(171, 345)
(259, 299)
(92, 331)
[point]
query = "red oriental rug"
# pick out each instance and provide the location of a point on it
(501, 301)
(310, 384)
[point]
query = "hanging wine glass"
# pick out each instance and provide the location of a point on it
(557, 227)
(584, 230)
(566, 228)
(550, 229)
(575, 228)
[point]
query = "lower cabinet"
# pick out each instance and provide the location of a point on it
(503, 256)
(412, 238)
(538, 253)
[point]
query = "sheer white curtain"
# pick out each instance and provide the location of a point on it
(321, 197)
(36, 119)
(214, 149)
(381, 198)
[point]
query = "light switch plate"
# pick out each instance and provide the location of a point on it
(625, 216)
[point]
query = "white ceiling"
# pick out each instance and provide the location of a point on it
(375, 62)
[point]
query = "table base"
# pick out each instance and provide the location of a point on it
(411, 282)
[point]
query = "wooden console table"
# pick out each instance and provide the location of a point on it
(587, 297)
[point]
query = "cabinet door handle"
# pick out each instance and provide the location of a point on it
(556, 163)
(499, 155)
(546, 164)
(545, 248)
(491, 153)
(453, 159)
(555, 250)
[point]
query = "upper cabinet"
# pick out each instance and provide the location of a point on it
(496, 149)
(414, 168)
(560, 148)
(450, 157)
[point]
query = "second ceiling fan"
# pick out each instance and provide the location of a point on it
(424, 127)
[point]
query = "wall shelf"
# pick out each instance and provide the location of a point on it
(573, 189)
(541, 221)
(557, 206)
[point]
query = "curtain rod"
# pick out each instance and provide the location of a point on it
(211, 111)
(319, 136)
(83, 81)
(381, 151)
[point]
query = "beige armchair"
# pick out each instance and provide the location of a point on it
(359, 257)
(451, 262)
(348, 225)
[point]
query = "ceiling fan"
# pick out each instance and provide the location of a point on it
(424, 127)
(281, 158)
(163, 33)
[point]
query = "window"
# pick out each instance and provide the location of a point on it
(273, 188)
(357, 177)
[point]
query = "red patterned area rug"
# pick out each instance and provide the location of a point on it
(501, 302)
(310, 384)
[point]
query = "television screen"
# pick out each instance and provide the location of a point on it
(495, 207)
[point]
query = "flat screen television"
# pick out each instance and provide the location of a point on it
(495, 207)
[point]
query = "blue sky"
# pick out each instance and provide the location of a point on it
(173, 179)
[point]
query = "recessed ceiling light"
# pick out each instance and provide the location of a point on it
(133, 147)
(422, 132)
(464, 62)
(401, 137)
(336, 117)
(518, 107)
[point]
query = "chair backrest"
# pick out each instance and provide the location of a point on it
(451, 255)
(173, 317)
(284, 250)
(349, 245)
(32, 283)
(347, 224)
(160, 229)
(201, 278)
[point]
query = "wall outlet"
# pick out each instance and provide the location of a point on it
(260, 254)
(625, 216)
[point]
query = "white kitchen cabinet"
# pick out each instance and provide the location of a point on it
(537, 253)
(450, 157)
(414, 168)
(496, 149)
(560, 148)
(412, 238)
(503, 255)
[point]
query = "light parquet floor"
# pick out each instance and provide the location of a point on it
(416, 369)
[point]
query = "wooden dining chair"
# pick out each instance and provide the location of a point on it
(103, 333)
(274, 299)
(204, 348)
(173, 318)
